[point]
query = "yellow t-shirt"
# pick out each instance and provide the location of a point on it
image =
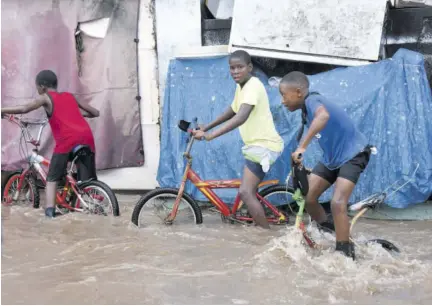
(259, 129)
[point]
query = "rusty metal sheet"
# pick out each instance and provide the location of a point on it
(40, 34)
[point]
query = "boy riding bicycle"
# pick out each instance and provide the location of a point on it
(250, 111)
(346, 154)
(68, 126)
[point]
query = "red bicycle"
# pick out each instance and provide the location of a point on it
(81, 196)
(173, 204)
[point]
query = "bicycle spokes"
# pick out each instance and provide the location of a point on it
(160, 208)
(93, 201)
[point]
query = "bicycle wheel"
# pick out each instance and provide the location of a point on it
(95, 193)
(29, 192)
(280, 196)
(160, 202)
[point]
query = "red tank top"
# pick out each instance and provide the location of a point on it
(68, 126)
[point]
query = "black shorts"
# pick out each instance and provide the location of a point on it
(351, 170)
(86, 167)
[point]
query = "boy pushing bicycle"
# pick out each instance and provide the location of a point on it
(250, 111)
(68, 126)
(346, 154)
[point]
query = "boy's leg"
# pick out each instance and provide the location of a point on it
(320, 180)
(339, 204)
(56, 172)
(348, 176)
(252, 176)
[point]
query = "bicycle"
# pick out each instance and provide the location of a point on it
(300, 184)
(236, 213)
(73, 195)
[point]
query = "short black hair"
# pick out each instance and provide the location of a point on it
(243, 55)
(296, 78)
(46, 78)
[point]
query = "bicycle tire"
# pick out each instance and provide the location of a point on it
(278, 189)
(154, 193)
(31, 181)
(107, 190)
(8, 176)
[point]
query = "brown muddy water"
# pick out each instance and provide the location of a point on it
(82, 259)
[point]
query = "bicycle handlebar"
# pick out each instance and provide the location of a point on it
(195, 123)
(23, 124)
(192, 139)
(185, 127)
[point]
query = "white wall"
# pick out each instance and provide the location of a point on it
(317, 31)
(178, 26)
(221, 9)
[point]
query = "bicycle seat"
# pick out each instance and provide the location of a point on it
(80, 150)
(370, 202)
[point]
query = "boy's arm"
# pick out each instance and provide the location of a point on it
(237, 120)
(318, 123)
(24, 109)
(321, 117)
(87, 110)
(228, 114)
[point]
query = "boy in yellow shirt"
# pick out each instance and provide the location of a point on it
(250, 111)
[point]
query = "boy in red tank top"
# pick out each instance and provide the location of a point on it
(68, 126)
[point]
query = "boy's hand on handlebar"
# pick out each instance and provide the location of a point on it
(198, 134)
(297, 156)
(201, 135)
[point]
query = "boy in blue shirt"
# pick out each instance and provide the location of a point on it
(345, 154)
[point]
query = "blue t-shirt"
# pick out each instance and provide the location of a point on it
(340, 140)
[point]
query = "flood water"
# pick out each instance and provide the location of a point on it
(81, 259)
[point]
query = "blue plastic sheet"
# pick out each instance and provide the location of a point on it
(390, 101)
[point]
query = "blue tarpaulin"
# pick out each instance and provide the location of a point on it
(390, 101)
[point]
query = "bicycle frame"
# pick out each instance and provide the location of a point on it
(299, 199)
(36, 162)
(207, 186)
